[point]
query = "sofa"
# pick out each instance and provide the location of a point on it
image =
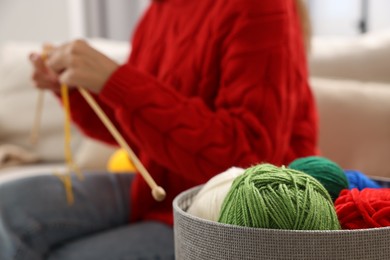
(349, 78)
(18, 101)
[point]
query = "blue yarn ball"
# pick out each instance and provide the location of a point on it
(360, 181)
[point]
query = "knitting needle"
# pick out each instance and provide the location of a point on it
(37, 120)
(39, 107)
(158, 192)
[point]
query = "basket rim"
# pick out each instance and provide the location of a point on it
(190, 193)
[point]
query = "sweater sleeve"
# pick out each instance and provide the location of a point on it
(252, 117)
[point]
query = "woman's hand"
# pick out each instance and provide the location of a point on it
(78, 64)
(43, 78)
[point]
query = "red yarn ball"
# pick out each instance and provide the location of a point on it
(368, 208)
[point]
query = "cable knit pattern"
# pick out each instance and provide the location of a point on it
(210, 84)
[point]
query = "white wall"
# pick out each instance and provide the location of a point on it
(126, 14)
(335, 17)
(342, 17)
(34, 20)
(122, 16)
(114, 19)
(379, 14)
(61, 20)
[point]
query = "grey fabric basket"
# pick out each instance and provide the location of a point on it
(198, 239)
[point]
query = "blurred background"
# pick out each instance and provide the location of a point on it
(348, 63)
(59, 20)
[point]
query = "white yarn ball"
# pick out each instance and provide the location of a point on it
(208, 202)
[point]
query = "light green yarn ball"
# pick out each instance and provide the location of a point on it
(267, 196)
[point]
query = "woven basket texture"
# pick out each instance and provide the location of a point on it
(197, 239)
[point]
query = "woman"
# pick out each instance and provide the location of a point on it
(209, 85)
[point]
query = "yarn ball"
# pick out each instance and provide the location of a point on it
(267, 196)
(119, 162)
(360, 181)
(325, 171)
(368, 208)
(207, 203)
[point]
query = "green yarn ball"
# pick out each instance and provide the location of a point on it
(267, 196)
(325, 171)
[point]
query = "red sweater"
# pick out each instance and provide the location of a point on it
(209, 85)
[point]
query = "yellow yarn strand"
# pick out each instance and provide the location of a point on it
(66, 104)
(66, 178)
(67, 132)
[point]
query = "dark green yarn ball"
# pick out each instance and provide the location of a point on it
(329, 173)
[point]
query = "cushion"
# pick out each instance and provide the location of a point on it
(354, 124)
(18, 100)
(365, 58)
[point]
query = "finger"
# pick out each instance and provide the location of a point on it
(46, 84)
(38, 62)
(69, 77)
(57, 60)
(40, 67)
(47, 49)
(68, 55)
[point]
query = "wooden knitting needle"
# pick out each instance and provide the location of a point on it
(39, 107)
(158, 192)
(37, 120)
